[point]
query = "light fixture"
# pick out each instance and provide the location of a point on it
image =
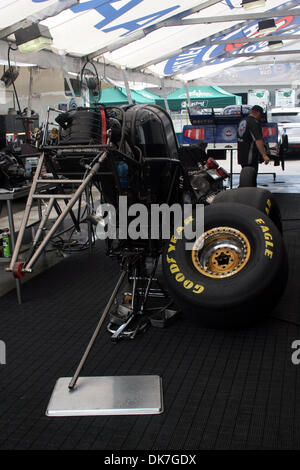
(267, 26)
(33, 38)
(253, 4)
(275, 44)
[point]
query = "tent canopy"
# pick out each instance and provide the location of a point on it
(142, 96)
(206, 96)
(118, 96)
(113, 97)
(150, 40)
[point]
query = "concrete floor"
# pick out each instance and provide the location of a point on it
(46, 260)
(286, 181)
(272, 178)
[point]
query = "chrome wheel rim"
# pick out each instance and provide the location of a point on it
(221, 252)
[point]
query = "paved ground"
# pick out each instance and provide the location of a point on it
(47, 260)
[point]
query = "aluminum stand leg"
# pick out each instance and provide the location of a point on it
(95, 334)
(13, 243)
(112, 395)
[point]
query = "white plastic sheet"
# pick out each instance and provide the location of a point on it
(187, 52)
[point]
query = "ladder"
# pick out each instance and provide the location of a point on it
(19, 268)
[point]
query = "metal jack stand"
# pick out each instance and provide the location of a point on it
(112, 395)
(132, 316)
(129, 320)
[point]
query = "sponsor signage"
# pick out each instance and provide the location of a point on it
(260, 97)
(285, 98)
(192, 58)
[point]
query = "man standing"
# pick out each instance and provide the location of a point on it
(251, 149)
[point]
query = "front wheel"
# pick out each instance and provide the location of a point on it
(235, 271)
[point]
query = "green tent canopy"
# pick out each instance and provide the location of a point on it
(142, 96)
(113, 97)
(206, 96)
(118, 96)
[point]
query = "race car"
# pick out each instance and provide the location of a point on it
(226, 268)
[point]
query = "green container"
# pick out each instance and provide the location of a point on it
(6, 245)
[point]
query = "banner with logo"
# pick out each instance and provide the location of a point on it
(208, 56)
(260, 97)
(285, 98)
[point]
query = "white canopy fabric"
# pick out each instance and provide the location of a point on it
(187, 40)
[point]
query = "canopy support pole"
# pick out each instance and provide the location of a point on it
(126, 85)
(164, 95)
(187, 93)
(29, 93)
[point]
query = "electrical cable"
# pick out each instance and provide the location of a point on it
(66, 245)
(10, 48)
(97, 76)
(70, 246)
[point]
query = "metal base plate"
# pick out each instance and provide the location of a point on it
(114, 395)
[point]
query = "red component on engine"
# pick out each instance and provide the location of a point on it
(223, 173)
(17, 270)
(211, 164)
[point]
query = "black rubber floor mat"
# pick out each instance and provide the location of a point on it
(289, 205)
(222, 389)
(288, 308)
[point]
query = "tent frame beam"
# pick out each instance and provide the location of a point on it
(277, 37)
(212, 41)
(127, 88)
(251, 55)
(201, 42)
(264, 62)
(261, 54)
(46, 59)
(140, 34)
(230, 18)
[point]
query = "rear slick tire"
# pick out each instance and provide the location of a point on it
(260, 198)
(239, 273)
(248, 177)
